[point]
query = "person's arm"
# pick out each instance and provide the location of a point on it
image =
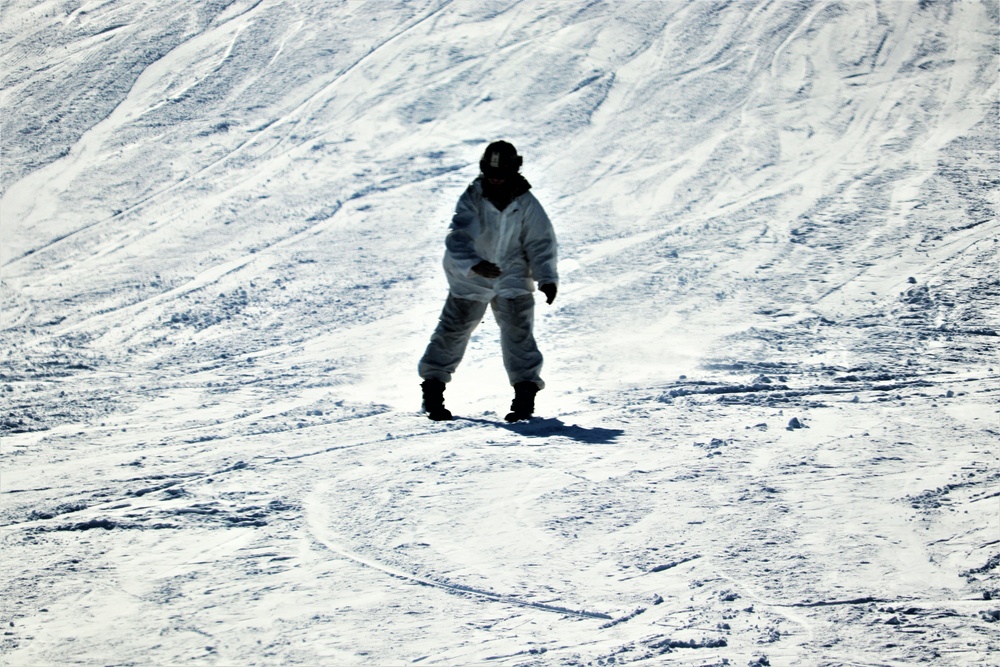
(541, 248)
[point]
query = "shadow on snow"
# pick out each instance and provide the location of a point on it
(539, 427)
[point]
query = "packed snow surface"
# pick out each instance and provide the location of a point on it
(770, 429)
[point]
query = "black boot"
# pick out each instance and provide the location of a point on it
(434, 400)
(523, 405)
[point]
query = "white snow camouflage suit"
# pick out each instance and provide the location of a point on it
(521, 241)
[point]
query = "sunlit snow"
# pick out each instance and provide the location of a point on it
(770, 431)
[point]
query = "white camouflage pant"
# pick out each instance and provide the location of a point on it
(459, 319)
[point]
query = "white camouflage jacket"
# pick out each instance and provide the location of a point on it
(520, 240)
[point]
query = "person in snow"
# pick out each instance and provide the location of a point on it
(500, 243)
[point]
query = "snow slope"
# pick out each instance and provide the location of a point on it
(771, 425)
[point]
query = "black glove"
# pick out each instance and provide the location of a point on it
(487, 269)
(549, 290)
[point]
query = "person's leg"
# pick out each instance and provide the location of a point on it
(521, 356)
(459, 318)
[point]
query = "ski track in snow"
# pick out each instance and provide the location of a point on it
(770, 428)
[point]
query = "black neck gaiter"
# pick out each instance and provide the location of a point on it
(501, 195)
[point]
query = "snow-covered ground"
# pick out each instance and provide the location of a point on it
(771, 427)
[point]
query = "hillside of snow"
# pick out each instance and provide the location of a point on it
(770, 433)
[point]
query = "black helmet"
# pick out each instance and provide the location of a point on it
(500, 160)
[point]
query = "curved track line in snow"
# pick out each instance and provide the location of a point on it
(215, 273)
(99, 510)
(317, 522)
(782, 610)
(793, 35)
(56, 176)
(94, 137)
(334, 448)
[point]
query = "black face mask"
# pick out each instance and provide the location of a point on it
(501, 193)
